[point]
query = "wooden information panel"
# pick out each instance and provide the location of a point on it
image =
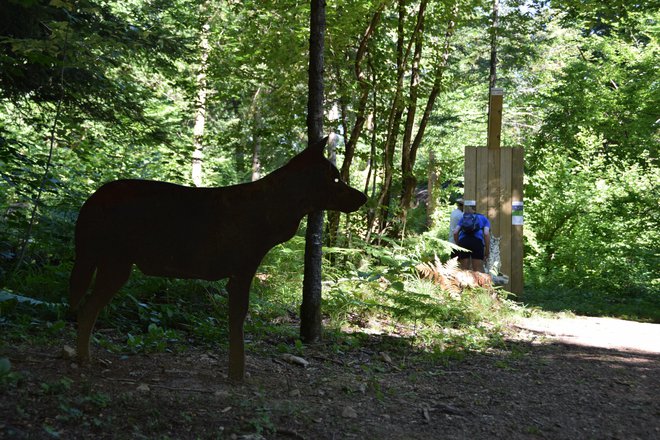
(494, 178)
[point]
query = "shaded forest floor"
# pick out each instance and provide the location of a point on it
(537, 387)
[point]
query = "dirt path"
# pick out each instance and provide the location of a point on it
(609, 333)
(537, 388)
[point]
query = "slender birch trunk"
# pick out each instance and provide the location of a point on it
(256, 136)
(200, 108)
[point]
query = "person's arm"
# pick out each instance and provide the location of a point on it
(486, 242)
(457, 229)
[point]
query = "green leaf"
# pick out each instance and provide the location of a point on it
(8, 296)
(5, 366)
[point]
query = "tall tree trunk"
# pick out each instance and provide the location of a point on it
(372, 127)
(407, 155)
(256, 158)
(343, 102)
(256, 136)
(200, 105)
(373, 166)
(310, 309)
(432, 179)
(492, 79)
(331, 147)
(332, 227)
(441, 66)
(493, 46)
(364, 92)
(361, 115)
(393, 123)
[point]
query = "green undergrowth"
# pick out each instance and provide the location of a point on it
(371, 295)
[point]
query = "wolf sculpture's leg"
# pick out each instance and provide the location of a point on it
(110, 277)
(239, 299)
(81, 278)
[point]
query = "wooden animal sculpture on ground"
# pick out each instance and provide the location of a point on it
(205, 233)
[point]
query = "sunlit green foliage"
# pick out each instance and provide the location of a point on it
(593, 171)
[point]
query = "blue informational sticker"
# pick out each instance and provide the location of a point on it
(517, 212)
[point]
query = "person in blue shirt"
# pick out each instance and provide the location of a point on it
(477, 243)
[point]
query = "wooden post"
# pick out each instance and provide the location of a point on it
(482, 181)
(494, 170)
(494, 166)
(470, 174)
(517, 165)
(495, 118)
(505, 212)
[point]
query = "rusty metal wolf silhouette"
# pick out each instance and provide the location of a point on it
(204, 233)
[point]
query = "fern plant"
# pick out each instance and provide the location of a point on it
(454, 280)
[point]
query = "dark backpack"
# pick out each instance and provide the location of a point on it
(470, 223)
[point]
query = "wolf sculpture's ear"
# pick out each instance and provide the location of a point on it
(310, 154)
(318, 146)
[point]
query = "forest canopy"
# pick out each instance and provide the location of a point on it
(204, 92)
